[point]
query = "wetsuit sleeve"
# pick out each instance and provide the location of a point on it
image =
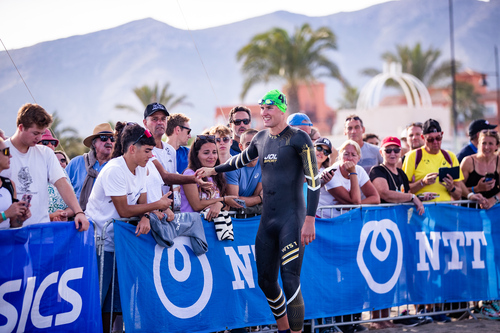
(310, 167)
(240, 160)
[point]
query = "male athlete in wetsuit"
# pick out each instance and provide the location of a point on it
(286, 155)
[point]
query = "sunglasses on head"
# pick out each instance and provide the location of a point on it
(186, 128)
(418, 124)
(5, 151)
(437, 138)
(206, 137)
(390, 150)
(146, 134)
(324, 150)
(104, 138)
(352, 118)
(224, 139)
(238, 122)
(46, 142)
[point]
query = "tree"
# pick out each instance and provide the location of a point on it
(69, 141)
(297, 59)
(148, 95)
(419, 63)
(349, 97)
(468, 106)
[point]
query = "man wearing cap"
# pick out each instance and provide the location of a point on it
(286, 156)
(240, 118)
(474, 128)
(422, 166)
(83, 169)
(32, 165)
(354, 130)
(300, 121)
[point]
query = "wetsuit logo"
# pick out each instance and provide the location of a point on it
(388, 230)
(271, 158)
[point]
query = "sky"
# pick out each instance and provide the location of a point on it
(28, 22)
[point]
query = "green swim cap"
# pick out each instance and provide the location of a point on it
(274, 97)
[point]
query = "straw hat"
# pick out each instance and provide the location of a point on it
(100, 129)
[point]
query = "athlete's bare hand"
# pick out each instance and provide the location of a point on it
(205, 172)
(208, 186)
(308, 233)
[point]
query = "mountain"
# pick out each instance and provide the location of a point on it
(84, 77)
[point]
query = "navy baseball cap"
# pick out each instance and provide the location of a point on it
(155, 107)
(478, 125)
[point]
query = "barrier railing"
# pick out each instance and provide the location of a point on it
(401, 312)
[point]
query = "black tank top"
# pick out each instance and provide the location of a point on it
(474, 179)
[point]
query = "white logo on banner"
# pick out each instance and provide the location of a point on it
(380, 228)
(181, 276)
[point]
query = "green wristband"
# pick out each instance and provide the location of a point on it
(3, 216)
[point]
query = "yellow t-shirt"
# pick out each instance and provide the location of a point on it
(428, 164)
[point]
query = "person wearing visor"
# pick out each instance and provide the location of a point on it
(286, 156)
(83, 170)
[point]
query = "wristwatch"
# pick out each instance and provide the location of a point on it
(147, 216)
(496, 199)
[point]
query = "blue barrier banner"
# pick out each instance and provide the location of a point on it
(370, 258)
(48, 279)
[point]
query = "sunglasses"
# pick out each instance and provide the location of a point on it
(63, 160)
(104, 138)
(224, 139)
(489, 131)
(146, 134)
(237, 122)
(5, 151)
(437, 138)
(46, 142)
(186, 128)
(418, 124)
(206, 137)
(352, 118)
(324, 150)
(390, 150)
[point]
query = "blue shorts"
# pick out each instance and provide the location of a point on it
(106, 284)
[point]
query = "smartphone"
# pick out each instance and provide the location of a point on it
(453, 172)
(27, 198)
(332, 171)
(489, 177)
(422, 196)
(241, 202)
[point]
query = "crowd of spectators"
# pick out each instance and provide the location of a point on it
(131, 171)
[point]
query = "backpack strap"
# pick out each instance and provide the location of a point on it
(8, 185)
(418, 157)
(447, 157)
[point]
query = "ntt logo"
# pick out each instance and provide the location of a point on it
(388, 230)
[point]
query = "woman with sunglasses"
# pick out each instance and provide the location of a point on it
(63, 158)
(390, 181)
(223, 142)
(203, 153)
(481, 171)
(323, 151)
(12, 212)
(350, 186)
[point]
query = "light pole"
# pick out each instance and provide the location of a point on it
(453, 82)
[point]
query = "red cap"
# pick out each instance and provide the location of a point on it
(389, 141)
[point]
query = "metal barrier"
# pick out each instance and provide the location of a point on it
(320, 325)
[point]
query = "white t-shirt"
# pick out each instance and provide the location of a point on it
(166, 156)
(31, 172)
(154, 182)
(114, 180)
(338, 180)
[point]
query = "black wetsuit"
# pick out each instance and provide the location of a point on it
(285, 159)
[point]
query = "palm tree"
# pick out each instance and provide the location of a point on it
(419, 63)
(69, 141)
(468, 105)
(349, 97)
(148, 95)
(295, 59)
